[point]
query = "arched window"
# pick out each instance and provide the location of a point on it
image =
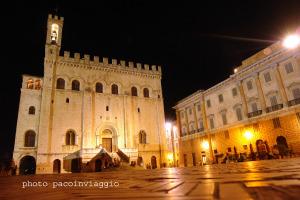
(75, 85)
(31, 110)
(134, 91)
(99, 88)
(142, 137)
(37, 84)
(70, 137)
(114, 89)
(146, 92)
(30, 84)
(29, 139)
(60, 83)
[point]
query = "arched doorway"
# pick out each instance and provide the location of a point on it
(56, 166)
(107, 140)
(27, 165)
(282, 146)
(75, 165)
(153, 162)
(98, 165)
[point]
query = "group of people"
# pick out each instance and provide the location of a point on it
(263, 153)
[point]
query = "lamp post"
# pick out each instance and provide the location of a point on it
(248, 135)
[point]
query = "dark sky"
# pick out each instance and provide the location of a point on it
(188, 39)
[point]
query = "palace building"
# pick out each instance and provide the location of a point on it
(258, 104)
(86, 113)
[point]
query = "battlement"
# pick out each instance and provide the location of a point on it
(50, 16)
(109, 62)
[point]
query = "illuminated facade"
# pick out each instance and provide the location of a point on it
(83, 106)
(260, 102)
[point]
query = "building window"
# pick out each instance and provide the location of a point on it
(107, 108)
(139, 110)
(208, 103)
(298, 117)
(194, 159)
(146, 92)
(182, 114)
(75, 85)
(142, 137)
(276, 122)
(200, 124)
(37, 84)
(239, 115)
(70, 137)
(211, 122)
(221, 98)
(134, 92)
(30, 84)
(296, 93)
(234, 92)
(67, 100)
(31, 110)
(254, 107)
(198, 107)
(99, 88)
(224, 118)
(267, 77)
(60, 83)
(114, 89)
(249, 85)
(190, 111)
(288, 68)
(273, 100)
(226, 134)
(229, 149)
(29, 139)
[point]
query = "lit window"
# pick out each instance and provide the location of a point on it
(30, 84)
(54, 33)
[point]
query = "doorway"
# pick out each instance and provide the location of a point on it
(56, 166)
(98, 165)
(107, 144)
(27, 165)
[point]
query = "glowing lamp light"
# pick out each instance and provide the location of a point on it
(205, 145)
(291, 41)
(168, 126)
(235, 70)
(170, 156)
(248, 135)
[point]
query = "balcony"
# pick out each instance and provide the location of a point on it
(255, 113)
(200, 129)
(274, 108)
(294, 102)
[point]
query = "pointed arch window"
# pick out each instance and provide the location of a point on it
(99, 88)
(146, 92)
(142, 137)
(70, 137)
(30, 84)
(60, 83)
(75, 85)
(29, 139)
(134, 92)
(114, 89)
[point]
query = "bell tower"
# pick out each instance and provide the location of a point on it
(54, 35)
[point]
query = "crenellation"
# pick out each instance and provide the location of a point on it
(123, 63)
(146, 66)
(86, 58)
(96, 59)
(77, 56)
(131, 64)
(105, 60)
(159, 68)
(153, 67)
(114, 61)
(66, 54)
(139, 66)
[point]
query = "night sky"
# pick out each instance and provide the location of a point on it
(197, 44)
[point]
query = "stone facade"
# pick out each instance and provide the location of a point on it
(83, 105)
(261, 99)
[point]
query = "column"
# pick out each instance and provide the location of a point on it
(195, 117)
(281, 86)
(187, 121)
(178, 119)
(260, 93)
(243, 97)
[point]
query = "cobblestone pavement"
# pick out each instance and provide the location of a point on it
(272, 179)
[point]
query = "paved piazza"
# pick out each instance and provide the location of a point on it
(270, 179)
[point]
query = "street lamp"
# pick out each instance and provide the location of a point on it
(291, 41)
(248, 135)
